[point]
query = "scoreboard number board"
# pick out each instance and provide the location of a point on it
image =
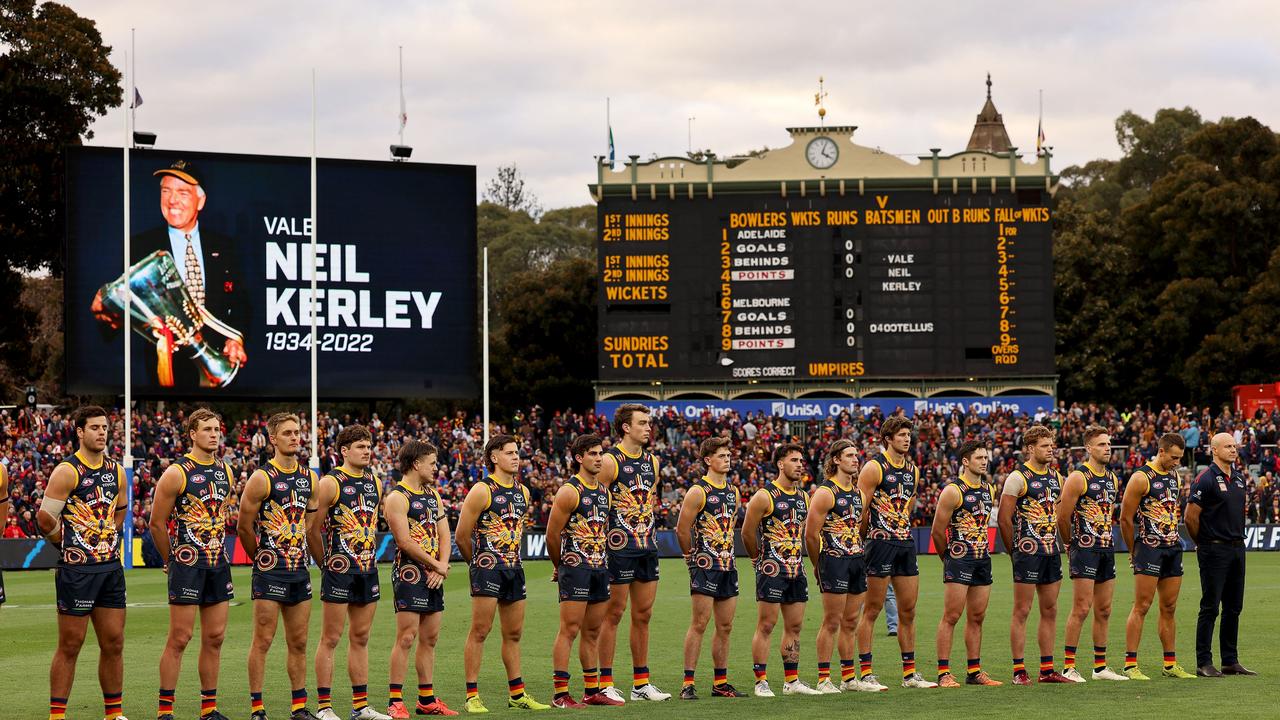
(888, 284)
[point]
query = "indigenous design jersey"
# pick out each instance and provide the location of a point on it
(89, 534)
(281, 524)
(632, 496)
(781, 533)
(1034, 531)
(425, 512)
(967, 534)
(200, 519)
(495, 541)
(713, 526)
(841, 530)
(890, 511)
(1158, 513)
(1093, 521)
(582, 541)
(353, 524)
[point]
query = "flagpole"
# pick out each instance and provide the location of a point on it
(484, 370)
(1040, 126)
(128, 333)
(402, 95)
(315, 401)
(133, 76)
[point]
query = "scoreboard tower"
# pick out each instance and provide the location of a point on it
(826, 268)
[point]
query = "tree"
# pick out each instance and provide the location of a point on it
(518, 243)
(547, 346)
(507, 190)
(1165, 261)
(55, 78)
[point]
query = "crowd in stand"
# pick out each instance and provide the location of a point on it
(33, 442)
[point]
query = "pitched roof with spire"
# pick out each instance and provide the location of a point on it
(989, 134)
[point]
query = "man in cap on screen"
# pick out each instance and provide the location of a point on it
(207, 261)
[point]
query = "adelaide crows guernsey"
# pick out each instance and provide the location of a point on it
(1093, 521)
(353, 524)
(281, 525)
(200, 514)
(781, 533)
(890, 510)
(713, 526)
(495, 541)
(1158, 513)
(582, 540)
(1034, 525)
(89, 536)
(424, 514)
(632, 496)
(967, 534)
(841, 528)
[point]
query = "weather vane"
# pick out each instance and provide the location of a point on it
(818, 99)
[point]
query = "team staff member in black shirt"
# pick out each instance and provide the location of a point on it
(1215, 519)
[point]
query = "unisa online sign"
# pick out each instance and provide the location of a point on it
(818, 408)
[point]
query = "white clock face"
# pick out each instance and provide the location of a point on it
(822, 152)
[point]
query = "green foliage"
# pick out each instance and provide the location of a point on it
(518, 243)
(542, 296)
(1166, 266)
(545, 351)
(55, 79)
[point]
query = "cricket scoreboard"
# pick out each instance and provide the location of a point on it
(898, 283)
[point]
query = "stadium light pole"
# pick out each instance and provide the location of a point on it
(484, 344)
(128, 364)
(314, 460)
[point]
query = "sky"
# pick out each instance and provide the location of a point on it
(496, 83)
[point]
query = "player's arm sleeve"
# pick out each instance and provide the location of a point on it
(1014, 484)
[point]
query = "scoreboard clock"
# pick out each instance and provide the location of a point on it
(891, 284)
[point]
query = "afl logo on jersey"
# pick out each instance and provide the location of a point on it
(196, 479)
(1037, 485)
(628, 469)
(1094, 486)
(417, 504)
(1157, 486)
(586, 501)
(713, 499)
(842, 502)
(349, 490)
(970, 498)
(501, 499)
(86, 483)
(282, 486)
(781, 506)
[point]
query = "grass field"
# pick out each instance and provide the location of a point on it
(28, 631)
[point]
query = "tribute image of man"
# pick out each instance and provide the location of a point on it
(208, 265)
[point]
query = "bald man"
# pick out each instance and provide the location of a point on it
(1215, 520)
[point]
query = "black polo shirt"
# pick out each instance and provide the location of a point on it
(1221, 499)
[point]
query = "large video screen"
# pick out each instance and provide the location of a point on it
(221, 276)
(899, 284)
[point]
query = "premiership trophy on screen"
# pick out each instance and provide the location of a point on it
(164, 313)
